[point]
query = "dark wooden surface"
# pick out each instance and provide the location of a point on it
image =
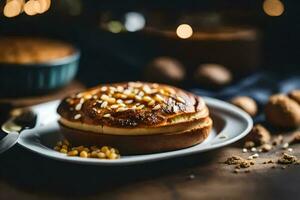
(26, 175)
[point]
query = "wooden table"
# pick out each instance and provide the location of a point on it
(26, 175)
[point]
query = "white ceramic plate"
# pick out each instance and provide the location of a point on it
(230, 125)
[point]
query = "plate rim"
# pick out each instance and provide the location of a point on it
(219, 104)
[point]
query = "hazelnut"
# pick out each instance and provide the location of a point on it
(295, 95)
(165, 70)
(245, 103)
(212, 75)
(296, 138)
(266, 147)
(282, 111)
(259, 135)
(249, 144)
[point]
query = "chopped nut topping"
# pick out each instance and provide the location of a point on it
(180, 99)
(104, 104)
(158, 98)
(104, 97)
(134, 96)
(157, 107)
(77, 116)
(107, 115)
(121, 109)
(151, 103)
(114, 106)
(147, 98)
(104, 88)
(78, 107)
(130, 101)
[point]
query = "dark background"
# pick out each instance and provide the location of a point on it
(107, 58)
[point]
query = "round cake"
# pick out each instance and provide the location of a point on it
(135, 117)
(26, 50)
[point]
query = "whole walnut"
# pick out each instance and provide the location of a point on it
(165, 70)
(282, 111)
(259, 135)
(212, 75)
(245, 103)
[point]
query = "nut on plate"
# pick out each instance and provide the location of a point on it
(245, 103)
(282, 111)
(212, 75)
(259, 135)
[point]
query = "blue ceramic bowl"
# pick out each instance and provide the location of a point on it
(39, 78)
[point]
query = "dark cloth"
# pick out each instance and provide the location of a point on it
(259, 86)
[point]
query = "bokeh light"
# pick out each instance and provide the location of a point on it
(134, 21)
(273, 8)
(184, 31)
(115, 26)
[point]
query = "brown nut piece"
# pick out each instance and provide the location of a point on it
(259, 135)
(282, 111)
(295, 94)
(165, 70)
(245, 103)
(212, 75)
(296, 138)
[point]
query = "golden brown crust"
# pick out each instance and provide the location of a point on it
(139, 144)
(132, 105)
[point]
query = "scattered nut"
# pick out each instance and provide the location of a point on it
(245, 103)
(259, 135)
(212, 75)
(266, 147)
(249, 144)
(296, 138)
(282, 111)
(104, 152)
(233, 160)
(239, 162)
(253, 149)
(287, 159)
(285, 145)
(277, 140)
(165, 70)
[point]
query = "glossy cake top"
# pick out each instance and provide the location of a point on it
(132, 104)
